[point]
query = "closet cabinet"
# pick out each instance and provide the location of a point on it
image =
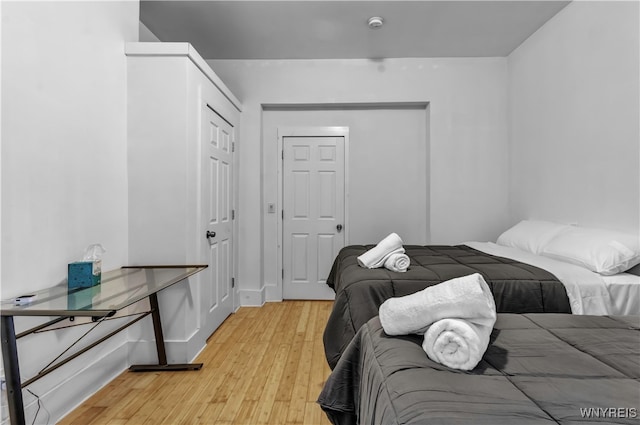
(182, 131)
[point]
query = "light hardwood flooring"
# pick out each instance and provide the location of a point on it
(262, 366)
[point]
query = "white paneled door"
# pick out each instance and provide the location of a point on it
(217, 183)
(313, 214)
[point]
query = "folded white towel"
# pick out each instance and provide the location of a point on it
(398, 262)
(467, 297)
(456, 317)
(457, 343)
(376, 256)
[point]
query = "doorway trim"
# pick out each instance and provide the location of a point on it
(330, 131)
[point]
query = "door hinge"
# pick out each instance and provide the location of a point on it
(233, 282)
(283, 273)
(282, 214)
(283, 154)
(233, 214)
(233, 146)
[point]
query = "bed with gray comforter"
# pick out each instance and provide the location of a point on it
(516, 287)
(538, 368)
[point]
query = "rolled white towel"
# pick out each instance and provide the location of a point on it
(457, 343)
(467, 297)
(376, 256)
(398, 262)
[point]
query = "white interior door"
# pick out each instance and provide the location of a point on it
(313, 214)
(217, 141)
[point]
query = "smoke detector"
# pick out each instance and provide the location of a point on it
(375, 22)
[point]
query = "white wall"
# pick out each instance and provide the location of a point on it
(468, 135)
(64, 169)
(388, 175)
(145, 34)
(63, 137)
(574, 104)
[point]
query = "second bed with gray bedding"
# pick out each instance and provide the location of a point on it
(538, 369)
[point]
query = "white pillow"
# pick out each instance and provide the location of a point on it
(531, 235)
(601, 251)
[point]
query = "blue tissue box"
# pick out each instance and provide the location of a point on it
(82, 299)
(83, 274)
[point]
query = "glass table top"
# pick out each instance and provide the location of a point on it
(118, 289)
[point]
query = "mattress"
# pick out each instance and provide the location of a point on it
(589, 292)
(517, 287)
(538, 368)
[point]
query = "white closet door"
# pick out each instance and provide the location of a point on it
(217, 299)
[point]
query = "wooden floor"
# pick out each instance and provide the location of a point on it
(262, 366)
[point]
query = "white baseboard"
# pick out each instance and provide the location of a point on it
(144, 352)
(274, 293)
(252, 297)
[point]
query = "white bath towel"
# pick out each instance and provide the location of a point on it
(467, 297)
(376, 256)
(457, 343)
(398, 262)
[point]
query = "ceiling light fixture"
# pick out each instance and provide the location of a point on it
(375, 22)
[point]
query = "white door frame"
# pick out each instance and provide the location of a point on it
(283, 132)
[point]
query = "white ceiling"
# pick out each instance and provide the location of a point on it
(308, 29)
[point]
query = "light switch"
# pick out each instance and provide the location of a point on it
(271, 208)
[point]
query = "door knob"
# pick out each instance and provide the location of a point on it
(339, 228)
(210, 234)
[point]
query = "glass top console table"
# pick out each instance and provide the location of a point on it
(119, 289)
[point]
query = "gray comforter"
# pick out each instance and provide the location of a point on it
(516, 287)
(539, 368)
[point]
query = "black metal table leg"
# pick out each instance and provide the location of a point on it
(160, 348)
(12, 371)
(157, 329)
